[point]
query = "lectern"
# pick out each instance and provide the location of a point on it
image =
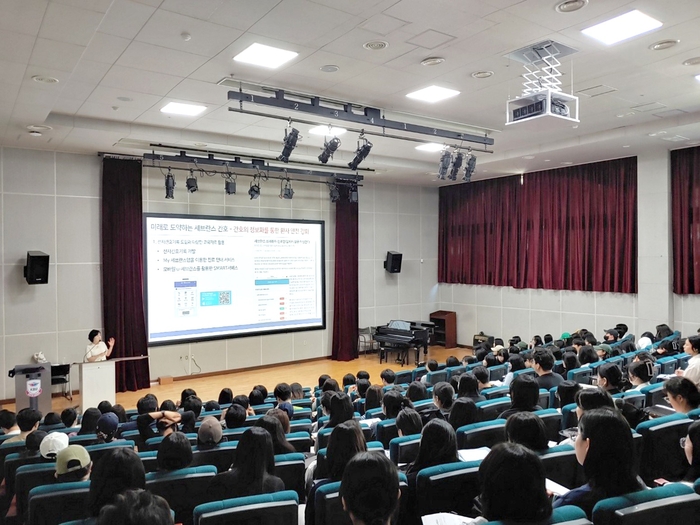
(97, 383)
(32, 386)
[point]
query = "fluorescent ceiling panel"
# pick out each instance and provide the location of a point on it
(176, 108)
(622, 27)
(323, 130)
(431, 147)
(265, 56)
(433, 94)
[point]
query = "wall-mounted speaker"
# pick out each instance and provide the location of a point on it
(37, 269)
(393, 262)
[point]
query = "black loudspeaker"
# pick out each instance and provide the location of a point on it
(37, 269)
(393, 262)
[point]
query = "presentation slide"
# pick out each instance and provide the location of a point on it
(218, 277)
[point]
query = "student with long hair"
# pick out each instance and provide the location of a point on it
(408, 422)
(280, 445)
(88, 425)
(225, 396)
(438, 445)
(515, 363)
(605, 449)
(682, 394)
(691, 445)
(640, 374)
(117, 470)
(253, 469)
(393, 402)
(341, 410)
(374, 396)
(417, 391)
(369, 490)
(610, 378)
(692, 371)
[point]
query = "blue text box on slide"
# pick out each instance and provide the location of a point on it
(215, 298)
(266, 282)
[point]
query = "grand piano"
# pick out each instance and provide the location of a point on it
(402, 336)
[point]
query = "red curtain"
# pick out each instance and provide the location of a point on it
(566, 229)
(122, 269)
(685, 215)
(346, 295)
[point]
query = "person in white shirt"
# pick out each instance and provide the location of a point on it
(692, 371)
(97, 350)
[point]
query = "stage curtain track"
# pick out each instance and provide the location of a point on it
(685, 214)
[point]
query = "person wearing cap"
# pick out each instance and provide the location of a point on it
(33, 442)
(28, 421)
(174, 452)
(210, 433)
(52, 444)
(611, 335)
(97, 350)
(73, 463)
(107, 427)
(8, 423)
(543, 362)
(603, 350)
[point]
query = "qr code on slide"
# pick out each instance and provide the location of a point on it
(225, 297)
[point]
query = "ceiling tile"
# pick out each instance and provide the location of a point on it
(22, 16)
(105, 48)
(198, 91)
(202, 9)
(65, 23)
(66, 106)
(242, 14)
(89, 71)
(126, 18)
(106, 111)
(148, 57)
(350, 45)
(140, 81)
(165, 29)
(383, 24)
(110, 96)
(12, 72)
(58, 55)
(15, 47)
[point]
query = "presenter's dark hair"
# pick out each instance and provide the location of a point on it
(463, 412)
(174, 452)
(438, 445)
(409, 422)
(444, 393)
(283, 391)
(393, 402)
(235, 416)
(370, 488)
(135, 507)
(341, 410)
(88, 425)
(254, 458)
(118, 470)
(225, 396)
(512, 480)
(92, 335)
(280, 445)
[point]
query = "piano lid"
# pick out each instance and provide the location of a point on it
(399, 325)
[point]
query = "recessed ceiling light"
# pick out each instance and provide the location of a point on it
(482, 74)
(376, 45)
(622, 27)
(33, 127)
(626, 146)
(265, 56)
(433, 94)
(329, 68)
(430, 147)
(176, 108)
(695, 61)
(200, 144)
(432, 61)
(663, 44)
(45, 80)
(569, 6)
(528, 157)
(125, 99)
(185, 36)
(324, 131)
(697, 77)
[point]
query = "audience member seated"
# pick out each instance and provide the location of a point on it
(592, 399)
(535, 342)
(691, 445)
(73, 463)
(280, 445)
(166, 423)
(431, 366)
(417, 391)
(692, 371)
(645, 341)
(524, 395)
(464, 412)
(610, 378)
(8, 423)
(263, 390)
(451, 361)
(28, 421)
(370, 489)
(235, 416)
(118, 470)
(640, 374)
(225, 396)
(502, 355)
(644, 356)
(167, 404)
(362, 374)
(604, 447)
(107, 427)
(50, 445)
(341, 410)
(52, 419)
(283, 417)
(528, 430)
(255, 398)
(174, 452)
(681, 394)
(408, 422)
(361, 387)
(349, 380)
(587, 356)
(345, 442)
(322, 379)
(393, 402)
(388, 377)
(468, 386)
(211, 406)
(297, 391)
(515, 363)
(33, 443)
(331, 385)
(210, 433)
(512, 480)
(566, 392)
(482, 375)
(543, 364)
(252, 472)
(667, 349)
(88, 425)
(443, 398)
(136, 507)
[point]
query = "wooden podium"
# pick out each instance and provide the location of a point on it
(98, 381)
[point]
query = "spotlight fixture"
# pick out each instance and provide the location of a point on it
(333, 192)
(254, 190)
(169, 185)
(290, 142)
(456, 165)
(329, 148)
(470, 167)
(191, 182)
(352, 194)
(361, 153)
(286, 191)
(445, 162)
(230, 185)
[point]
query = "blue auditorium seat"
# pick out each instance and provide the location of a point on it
(482, 434)
(560, 465)
(264, 509)
(448, 488)
(552, 421)
(404, 449)
(183, 489)
(290, 468)
(674, 503)
(492, 408)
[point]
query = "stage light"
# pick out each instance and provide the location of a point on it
(290, 142)
(352, 194)
(333, 192)
(361, 153)
(286, 191)
(191, 182)
(230, 185)
(445, 162)
(470, 167)
(329, 148)
(169, 185)
(254, 190)
(456, 165)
